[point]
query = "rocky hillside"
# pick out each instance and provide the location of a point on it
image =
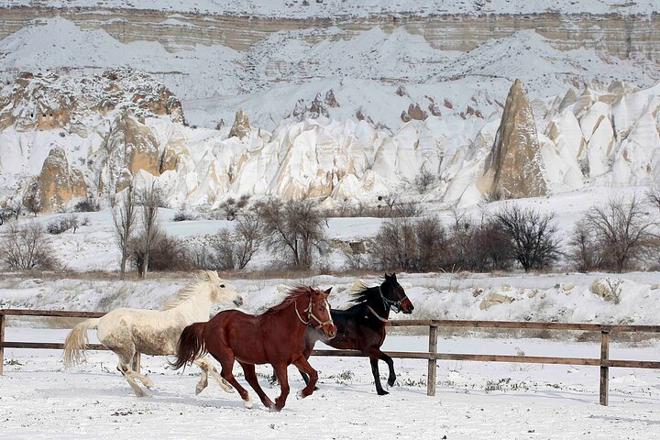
(68, 136)
(342, 101)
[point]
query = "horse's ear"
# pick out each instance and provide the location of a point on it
(393, 276)
(327, 291)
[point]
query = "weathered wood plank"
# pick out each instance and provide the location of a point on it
(50, 313)
(48, 345)
(604, 370)
(2, 347)
(432, 367)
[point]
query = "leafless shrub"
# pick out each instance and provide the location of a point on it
(479, 247)
(533, 236)
(63, 224)
(27, 248)
(424, 180)
(123, 217)
(32, 199)
(234, 250)
(12, 209)
(653, 196)
(183, 215)
(623, 232)
(90, 204)
(413, 245)
(293, 229)
(583, 249)
(164, 253)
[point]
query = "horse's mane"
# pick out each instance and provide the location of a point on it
(188, 291)
(292, 295)
(361, 292)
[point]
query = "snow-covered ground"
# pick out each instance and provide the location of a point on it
(474, 400)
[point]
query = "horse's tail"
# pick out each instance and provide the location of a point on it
(76, 341)
(191, 345)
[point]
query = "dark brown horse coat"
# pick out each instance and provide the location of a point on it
(275, 337)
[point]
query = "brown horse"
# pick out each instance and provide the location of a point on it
(275, 337)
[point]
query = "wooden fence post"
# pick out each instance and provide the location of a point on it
(2, 343)
(604, 370)
(433, 348)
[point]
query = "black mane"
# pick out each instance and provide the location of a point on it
(365, 294)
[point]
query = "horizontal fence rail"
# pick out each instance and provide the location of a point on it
(432, 356)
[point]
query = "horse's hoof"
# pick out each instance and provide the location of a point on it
(390, 382)
(247, 404)
(383, 393)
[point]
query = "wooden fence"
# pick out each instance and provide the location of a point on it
(432, 356)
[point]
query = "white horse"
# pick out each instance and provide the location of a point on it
(131, 331)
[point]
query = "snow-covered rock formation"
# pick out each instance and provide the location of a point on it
(107, 130)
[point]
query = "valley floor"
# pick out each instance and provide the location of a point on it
(474, 400)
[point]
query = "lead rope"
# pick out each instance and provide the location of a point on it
(376, 314)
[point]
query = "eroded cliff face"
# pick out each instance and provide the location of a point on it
(619, 35)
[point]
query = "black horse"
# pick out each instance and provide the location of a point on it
(362, 326)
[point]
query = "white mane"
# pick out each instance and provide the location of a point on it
(200, 285)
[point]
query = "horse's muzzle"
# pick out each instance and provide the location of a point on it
(407, 306)
(238, 301)
(329, 330)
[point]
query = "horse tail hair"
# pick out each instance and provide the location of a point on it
(76, 341)
(191, 345)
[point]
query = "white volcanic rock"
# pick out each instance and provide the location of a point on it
(614, 139)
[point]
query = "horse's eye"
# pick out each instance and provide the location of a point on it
(222, 286)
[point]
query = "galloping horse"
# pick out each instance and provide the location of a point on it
(362, 327)
(275, 337)
(130, 331)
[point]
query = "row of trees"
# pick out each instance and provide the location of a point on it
(619, 236)
(291, 230)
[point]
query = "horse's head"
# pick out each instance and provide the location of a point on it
(395, 296)
(221, 291)
(319, 312)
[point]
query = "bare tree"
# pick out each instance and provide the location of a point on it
(293, 229)
(533, 236)
(248, 237)
(653, 197)
(624, 232)
(27, 248)
(583, 248)
(32, 200)
(424, 180)
(415, 245)
(123, 217)
(150, 200)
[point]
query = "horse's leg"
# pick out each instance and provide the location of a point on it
(251, 377)
(373, 359)
(223, 383)
(125, 359)
(204, 380)
(283, 378)
(302, 365)
(227, 361)
(390, 364)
